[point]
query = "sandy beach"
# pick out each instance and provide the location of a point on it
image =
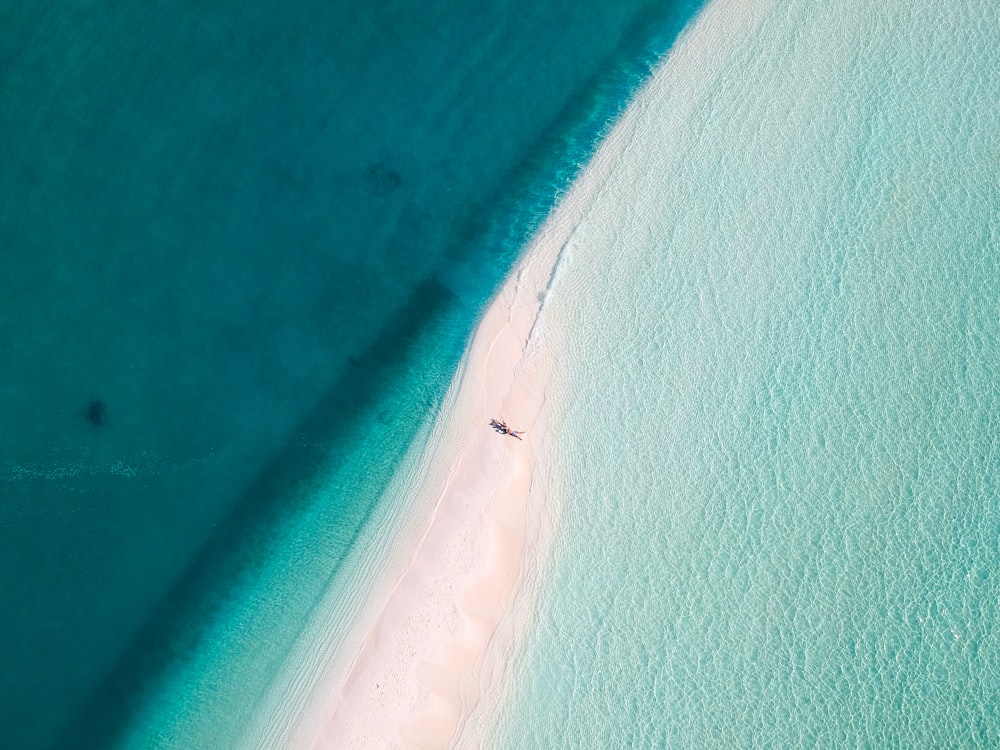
(415, 678)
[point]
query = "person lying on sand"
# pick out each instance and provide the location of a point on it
(503, 429)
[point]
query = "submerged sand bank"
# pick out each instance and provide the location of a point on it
(434, 636)
(440, 639)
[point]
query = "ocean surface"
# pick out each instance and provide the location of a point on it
(243, 248)
(774, 420)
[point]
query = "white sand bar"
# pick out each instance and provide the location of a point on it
(416, 678)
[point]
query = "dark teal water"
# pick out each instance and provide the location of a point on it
(241, 243)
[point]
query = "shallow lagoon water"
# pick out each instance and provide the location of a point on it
(774, 419)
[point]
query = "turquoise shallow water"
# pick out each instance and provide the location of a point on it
(774, 421)
(243, 248)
